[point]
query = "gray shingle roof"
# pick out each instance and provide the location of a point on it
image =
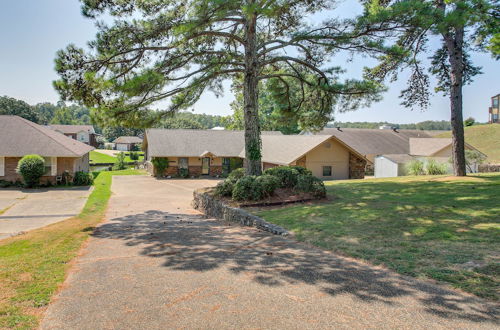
(285, 149)
(72, 129)
(376, 141)
(399, 158)
(21, 137)
(128, 139)
(428, 147)
(193, 143)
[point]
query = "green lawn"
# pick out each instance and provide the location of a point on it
(429, 227)
(32, 266)
(97, 157)
(485, 138)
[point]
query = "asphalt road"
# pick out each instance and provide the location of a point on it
(157, 264)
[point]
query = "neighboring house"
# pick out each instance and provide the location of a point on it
(494, 110)
(424, 149)
(22, 137)
(127, 143)
(373, 142)
(83, 133)
(216, 152)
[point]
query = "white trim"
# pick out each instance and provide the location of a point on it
(2, 166)
(53, 166)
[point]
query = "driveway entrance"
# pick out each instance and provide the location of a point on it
(158, 264)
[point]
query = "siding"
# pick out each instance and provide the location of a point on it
(330, 153)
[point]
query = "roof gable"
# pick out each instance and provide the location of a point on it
(22, 137)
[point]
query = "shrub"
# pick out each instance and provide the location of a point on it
(120, 162)
(184, 173)
(311, 184)
(287, 175)
(83, 179)
(302, 170)
(415, 167)
(5, 184)
(435, 168)
(246, 189)
(31, 167)
(266, 184)
(134, 155)
(236, 174)
(160, 165)
(225, 188)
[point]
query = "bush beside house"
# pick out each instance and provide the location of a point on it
(31, 168)
(292, 179)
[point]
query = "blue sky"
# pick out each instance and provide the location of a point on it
(33, 30)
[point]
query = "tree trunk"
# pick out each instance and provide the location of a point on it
(250, 91)
(454, 45)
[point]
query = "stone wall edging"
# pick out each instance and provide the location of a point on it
(213, 207)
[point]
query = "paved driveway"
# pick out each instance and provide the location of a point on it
(27, 209)
(157, 264)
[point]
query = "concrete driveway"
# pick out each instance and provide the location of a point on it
(26, 209)
(158, 264)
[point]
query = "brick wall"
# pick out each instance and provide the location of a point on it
(356, 167)
(63, 164)
(195, 170)
(215, 170)
(268, 165)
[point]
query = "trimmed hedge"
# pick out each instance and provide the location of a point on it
(287, 175)
(31, 167)
(311, 184)
(83, 179)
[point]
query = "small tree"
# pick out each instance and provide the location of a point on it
(474, 158)
(120, 162)
(469, 121)
(31, 167)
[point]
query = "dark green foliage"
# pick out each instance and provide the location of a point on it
(31, 167)
(134, 155)
(183, 173)
(247, 189)
(11, 106)
(236, 174)
(268, 184)
(311, 184)
(302, 170)
(83, 179)
(287, 175)
(469, 121)
(120, 162)
(225, 188)
(160, 165)
(442, 125)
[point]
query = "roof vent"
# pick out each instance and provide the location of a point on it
(395, 129)
(338, 128)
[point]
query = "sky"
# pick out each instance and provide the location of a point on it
(33, 30)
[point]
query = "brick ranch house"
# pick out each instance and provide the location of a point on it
(216, 152)
(22, 137)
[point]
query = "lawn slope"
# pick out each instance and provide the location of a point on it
(486, 138)
(447, 229)
(33, 265)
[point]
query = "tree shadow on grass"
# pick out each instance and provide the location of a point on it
(189, 242)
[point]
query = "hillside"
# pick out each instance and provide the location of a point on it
(486, 138)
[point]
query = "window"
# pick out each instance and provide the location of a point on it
(183, 163)
(48, 166)
(327, 171)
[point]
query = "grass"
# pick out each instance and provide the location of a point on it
(485, 138)
(33, 265)
(443, 228)
(97, 157)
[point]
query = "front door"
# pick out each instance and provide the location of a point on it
(205, 166)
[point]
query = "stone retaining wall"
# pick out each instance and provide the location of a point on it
(213, 207)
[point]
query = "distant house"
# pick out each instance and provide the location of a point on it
(127, 143)
(423, 149)
(22, 137)
(494, 110)
(215, 152)
(83, 133)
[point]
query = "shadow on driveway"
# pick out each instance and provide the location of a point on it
(191, 243)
